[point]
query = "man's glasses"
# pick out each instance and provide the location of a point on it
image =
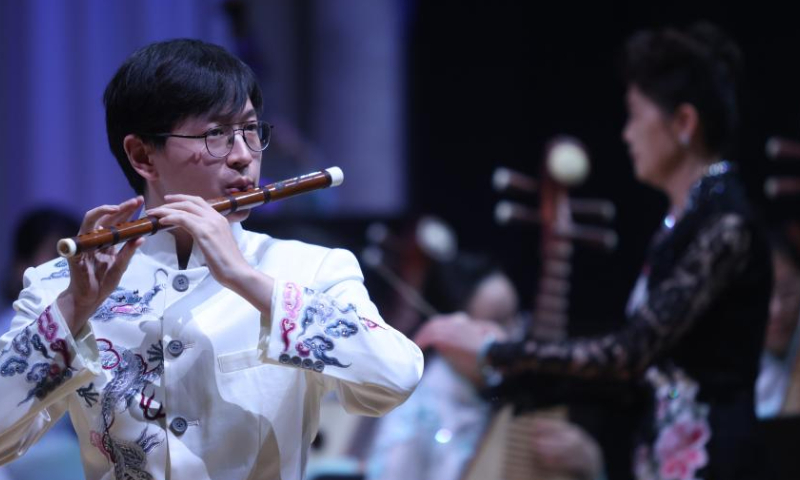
(219, 140)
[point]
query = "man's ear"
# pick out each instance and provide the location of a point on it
(139, 155)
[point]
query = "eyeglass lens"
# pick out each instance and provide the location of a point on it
(220, 139)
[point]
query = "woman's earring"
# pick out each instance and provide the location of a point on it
(683, 139)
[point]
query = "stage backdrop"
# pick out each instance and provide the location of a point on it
(334, 98)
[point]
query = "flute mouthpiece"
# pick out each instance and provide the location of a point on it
(67, 247)
(337, 176)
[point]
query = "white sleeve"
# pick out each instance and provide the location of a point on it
(41, 363)
(334, 329)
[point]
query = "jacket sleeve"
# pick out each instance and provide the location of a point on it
(333, 328)
(41, 363)
(718, 254)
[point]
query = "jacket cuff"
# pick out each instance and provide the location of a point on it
(307, 326)
(47, 358)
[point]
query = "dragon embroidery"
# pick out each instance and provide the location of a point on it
(131, 378)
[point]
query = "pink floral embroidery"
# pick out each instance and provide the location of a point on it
(47, 326)
(145, 403)
(302, 349)
(60, 346)
(292, 300)
(286, 327)
(132, 310)
(96, 438)
(46, 376)
(679, 449)
(109, 358)
(370, 324)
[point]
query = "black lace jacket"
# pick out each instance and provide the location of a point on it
(705, 310)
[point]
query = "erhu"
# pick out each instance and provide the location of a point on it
(150, 225)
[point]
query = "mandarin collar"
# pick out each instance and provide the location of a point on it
(161, 247)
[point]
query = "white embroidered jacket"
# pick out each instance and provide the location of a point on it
(177, 377)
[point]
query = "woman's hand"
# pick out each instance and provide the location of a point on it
(459, 339)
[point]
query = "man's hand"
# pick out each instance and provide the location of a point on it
(94, 275)
(212, 233)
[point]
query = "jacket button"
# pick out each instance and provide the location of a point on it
(175, 347)
(178, 425)
(180, 283)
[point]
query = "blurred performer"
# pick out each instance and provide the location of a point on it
(699, 311)
(35, 238)
(435, 432)
(783, 335)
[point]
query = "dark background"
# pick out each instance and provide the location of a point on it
(490, 86)
(490, 83)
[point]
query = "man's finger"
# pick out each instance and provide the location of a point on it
(124, 256)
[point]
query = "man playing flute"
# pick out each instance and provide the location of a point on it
(202, 352)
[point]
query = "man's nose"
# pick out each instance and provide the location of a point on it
(241, 155)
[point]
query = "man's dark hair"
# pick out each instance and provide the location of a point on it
(164, 83)
(699, 65)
